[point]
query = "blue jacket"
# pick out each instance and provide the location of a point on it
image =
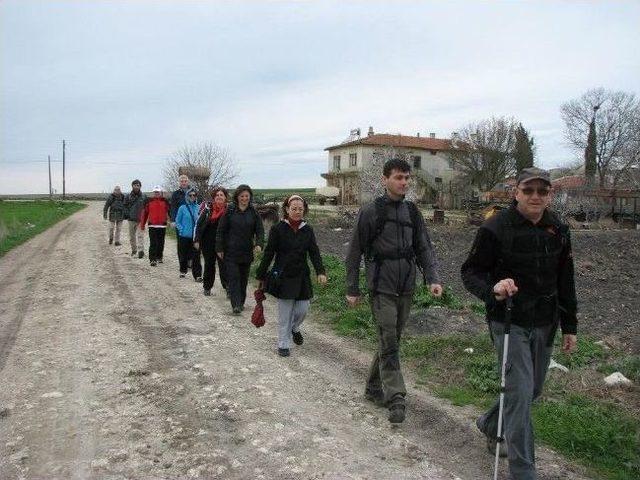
(187, 218)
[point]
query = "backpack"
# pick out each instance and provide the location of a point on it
(408, 254)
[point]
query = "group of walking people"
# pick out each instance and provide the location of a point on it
(523, 253)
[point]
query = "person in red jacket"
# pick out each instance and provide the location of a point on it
(156, 215)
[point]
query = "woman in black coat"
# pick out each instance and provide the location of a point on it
(240, 234)
(205, 239)
(291, 241)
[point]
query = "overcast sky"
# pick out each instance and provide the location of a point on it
(126, 83)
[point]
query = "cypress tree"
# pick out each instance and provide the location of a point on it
(523, 150)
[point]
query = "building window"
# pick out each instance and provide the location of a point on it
(433, 152)
(353, 160)
(336, 162)
(452, 163)
(416, 161)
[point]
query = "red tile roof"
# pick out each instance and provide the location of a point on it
(569, 181)
(389, 140)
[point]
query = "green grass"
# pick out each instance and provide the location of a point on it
(591, 431)
(597, 434)
(20, 221)
(262, 195)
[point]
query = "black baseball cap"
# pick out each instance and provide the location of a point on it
(136, 182)
(533, 173)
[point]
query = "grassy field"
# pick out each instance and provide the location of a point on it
(575, 416)
(20, 221)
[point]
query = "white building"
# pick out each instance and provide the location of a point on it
(431, 164)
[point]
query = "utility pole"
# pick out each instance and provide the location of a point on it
(63, 170)
(50, 191)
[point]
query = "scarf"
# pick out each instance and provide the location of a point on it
(217, 211)
(295, 224)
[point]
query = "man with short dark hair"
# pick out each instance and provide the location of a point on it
(134, 204)
(391, 234)
(523, 252)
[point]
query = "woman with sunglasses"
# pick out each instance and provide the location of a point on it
(291, 241)
(186, 220)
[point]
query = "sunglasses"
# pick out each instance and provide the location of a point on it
(542, 191)
(193, 195)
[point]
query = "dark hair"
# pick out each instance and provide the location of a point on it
(395, 164)
(136, 182)
(239, 190)
(215, 189)
(287, 200)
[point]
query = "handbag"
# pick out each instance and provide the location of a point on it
(273, 282)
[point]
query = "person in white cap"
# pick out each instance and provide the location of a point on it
(156, 215)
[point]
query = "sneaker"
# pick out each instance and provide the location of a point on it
(133, 254)
(237, 310)
(298, 339)
(118, 244)
(376, 397)
(491, 446)
(207, 293)
(284, 352)
(160, 261)
(182, 275)
(140, 254)
(110, 241)
(396, 413)
(153, 263)
(199, 279)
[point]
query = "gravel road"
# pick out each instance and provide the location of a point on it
(113, 369)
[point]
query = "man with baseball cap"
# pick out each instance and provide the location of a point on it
(523, 252)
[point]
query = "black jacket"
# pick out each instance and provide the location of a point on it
(178, 197)
(291, 250)
(134, 204)
(238, 232)
(206, 230)
(537, 257)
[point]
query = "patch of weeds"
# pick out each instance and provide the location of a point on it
(457, 395)
(478, 308)
(628, 365)
(587, 353)
(424, 299)
(597, 434)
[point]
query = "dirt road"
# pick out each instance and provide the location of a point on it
(113, 369)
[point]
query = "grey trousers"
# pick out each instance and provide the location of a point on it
(117, 226)
(390, 314)
(526, 370)
(136, 237)
(291, 314)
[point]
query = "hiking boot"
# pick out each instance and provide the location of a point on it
(284, 352)
(199, 279)
(153, 263)
(182, 275)
(396, 413)
(118, 244)
(110, 241)
(207, 293)
(491, 446)
(375, 397)
(140, 254)
(298, 339)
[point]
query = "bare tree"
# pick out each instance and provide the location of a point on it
(370, 177)
(218, 161)
(484, 151)
(615, 115)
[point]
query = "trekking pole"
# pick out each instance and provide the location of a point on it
(505, 351)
